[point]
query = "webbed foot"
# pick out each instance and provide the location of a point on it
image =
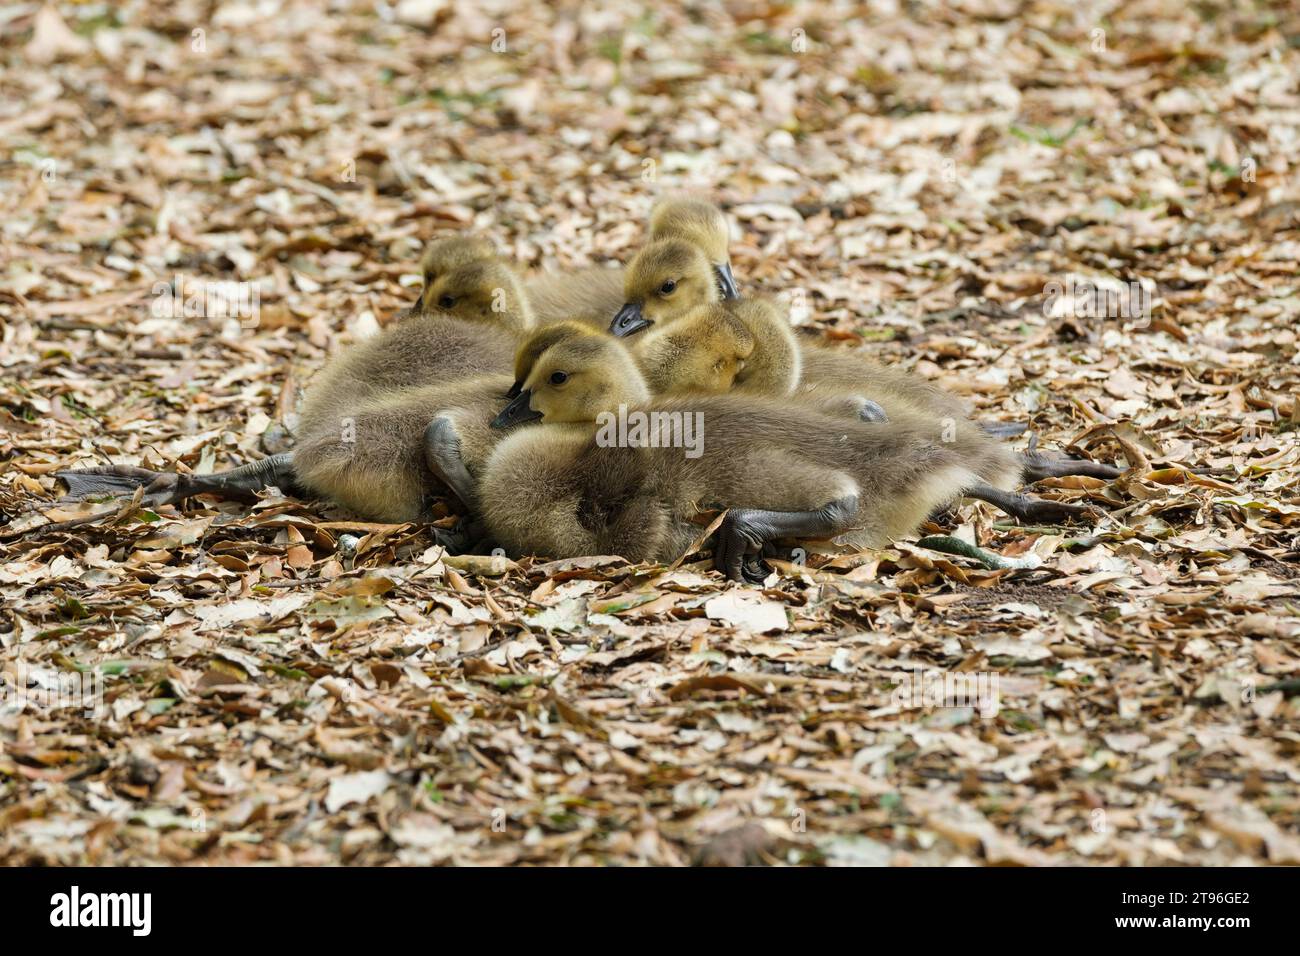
(1036, 466)
(168, 487)
(105, 480)
(456, 539)
(1029, 508)
(739, 547)
(745, 533)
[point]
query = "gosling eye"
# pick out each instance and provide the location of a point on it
(668, 288)
(447, 301)
(559, 378)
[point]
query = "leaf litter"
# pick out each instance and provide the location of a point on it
(283, 683)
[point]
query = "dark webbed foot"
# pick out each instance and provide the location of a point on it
(1028, 508)
(106, 480)
(1036, 466)
(1046, 511)
(755, 570)
(112, 481)
(165, 487)
(739, 546)
(457, 539)
(467, 536)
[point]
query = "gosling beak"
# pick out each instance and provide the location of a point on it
(629, 321)
(515, 389)
(517, 412)
(726, 281)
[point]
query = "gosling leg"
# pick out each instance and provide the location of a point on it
(738, 548)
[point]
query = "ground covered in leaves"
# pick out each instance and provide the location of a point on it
(281, 683)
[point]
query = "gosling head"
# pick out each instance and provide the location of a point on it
(480, 290)
(568, 373)
(703, 351)
(703, 225)
(442, 256)
(664, 281)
